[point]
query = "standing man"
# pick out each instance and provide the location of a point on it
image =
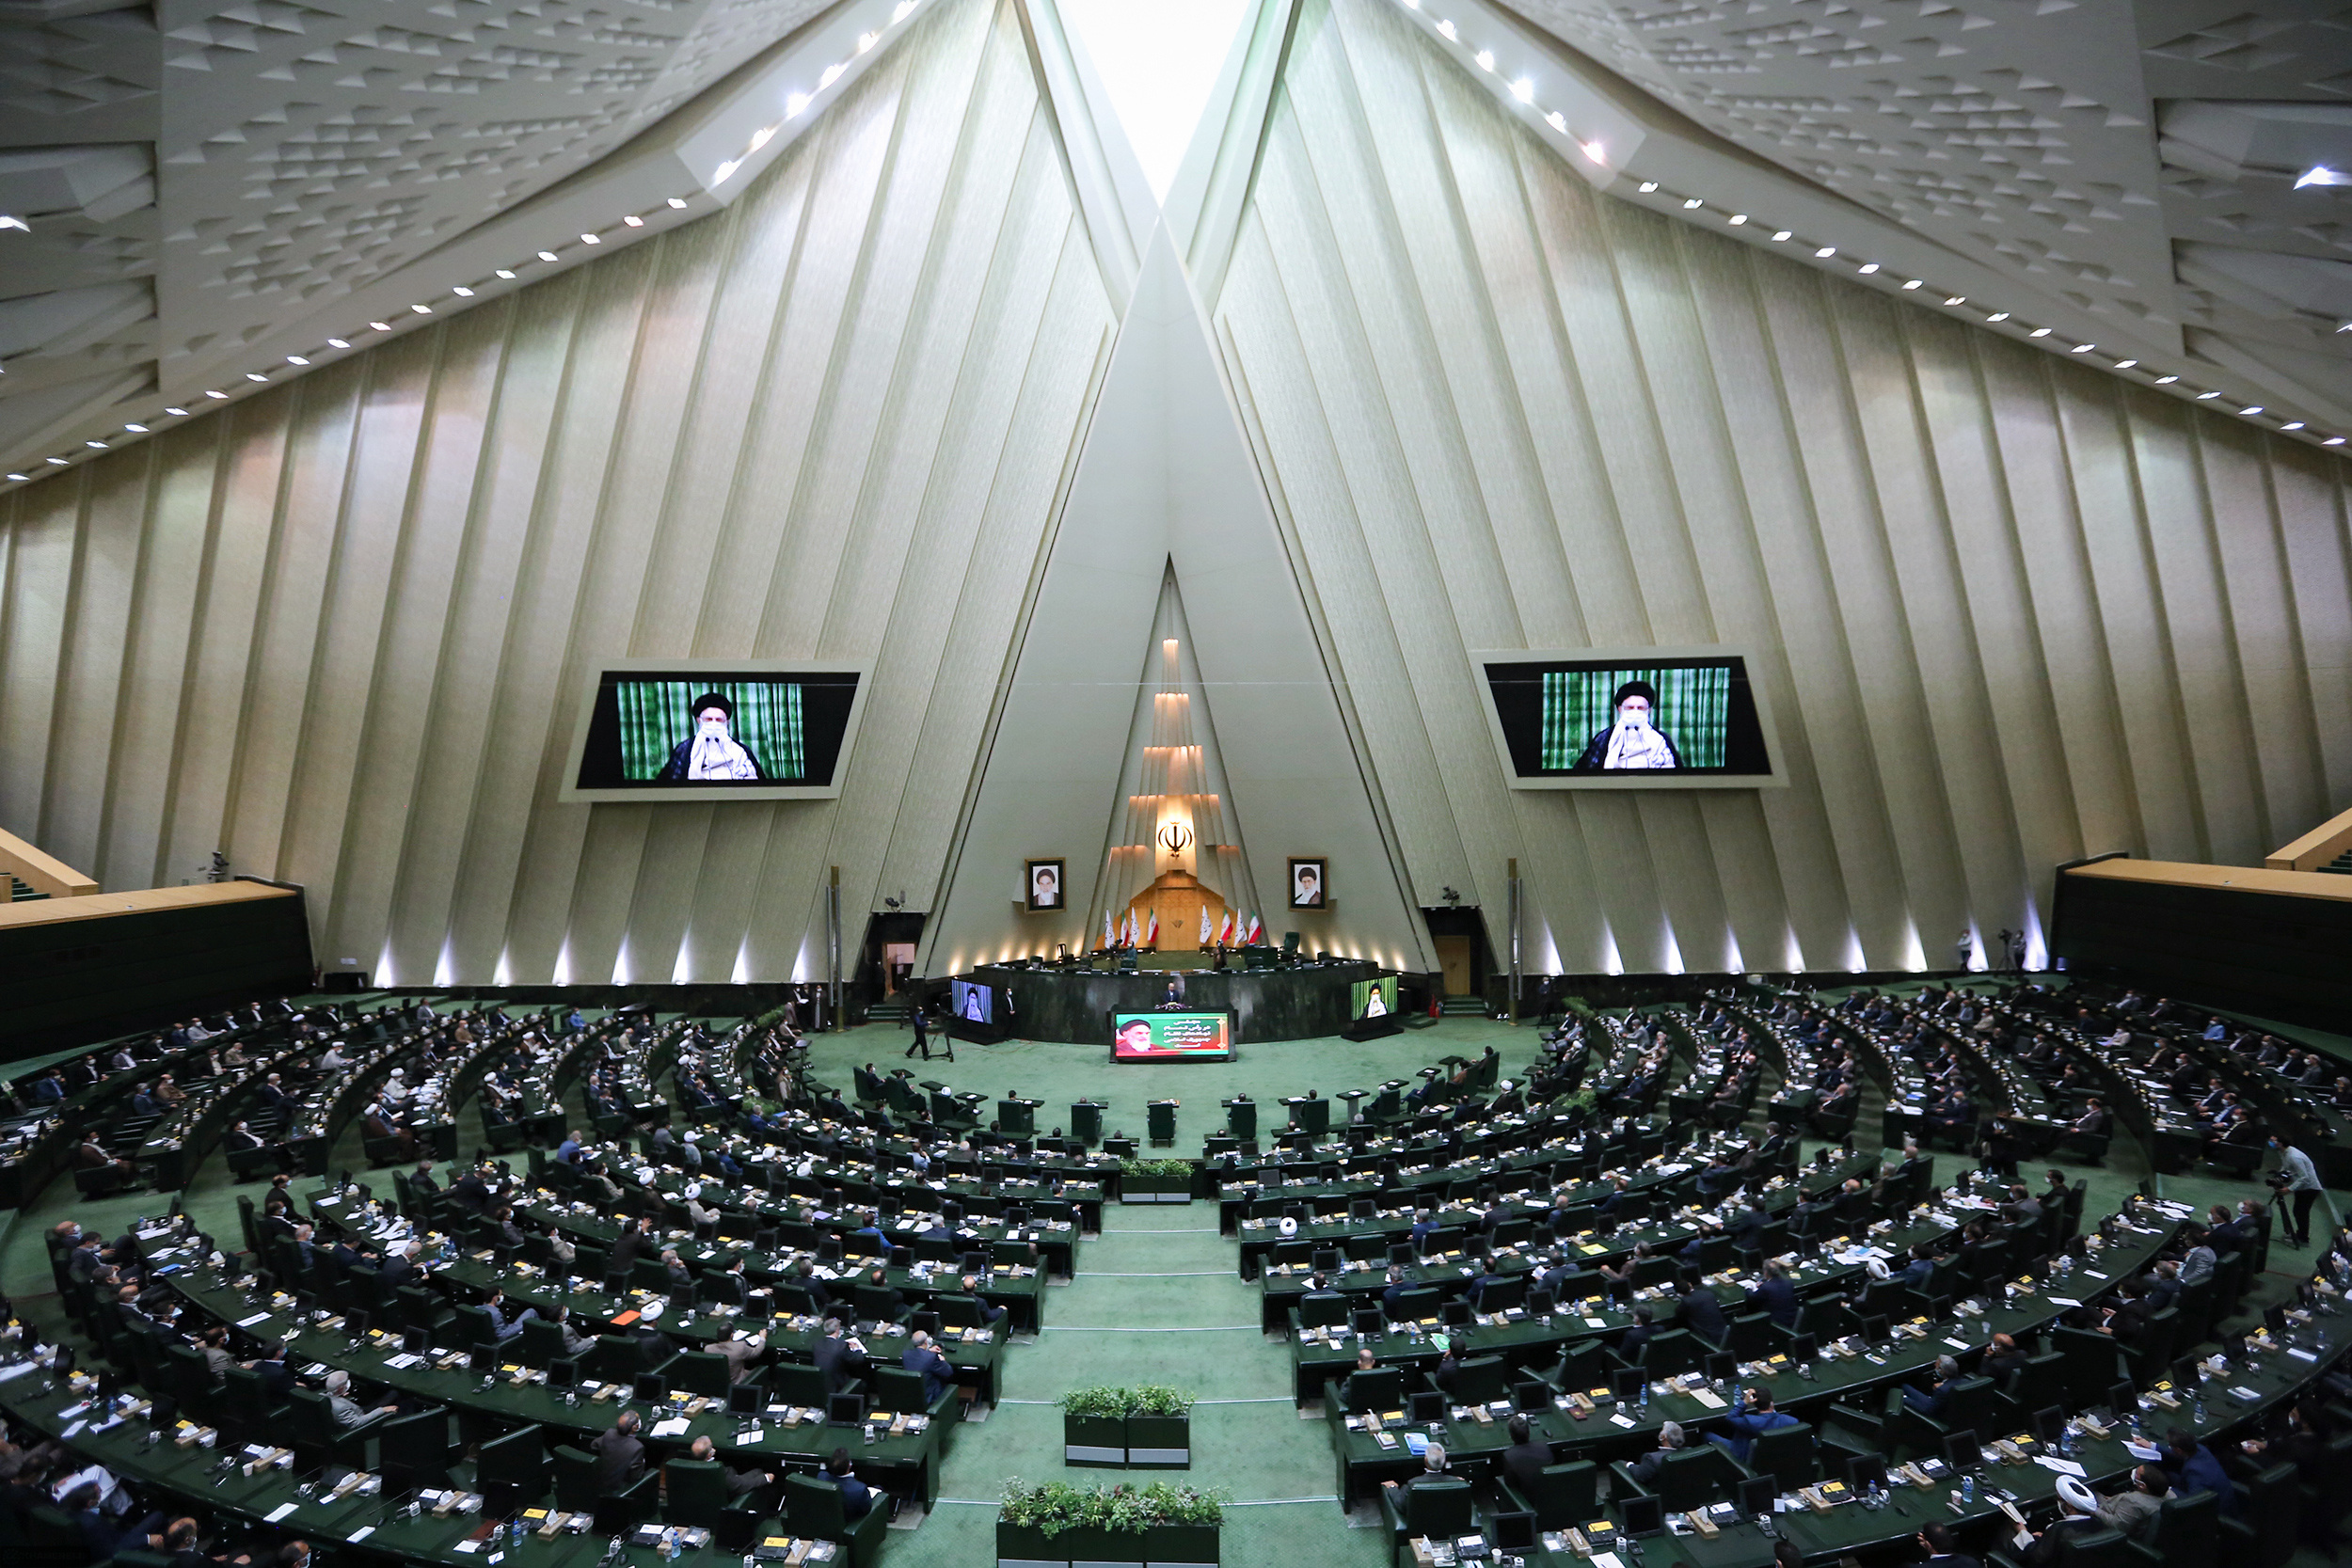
(2302, 1184)
(922, 1033)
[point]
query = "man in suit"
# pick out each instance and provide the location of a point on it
(1776, 1295)
(620, 1457)
(568, 1151)
(278, 1379)
(1523, 1461)
(1935, 1539)
(1916, 1272)
(857, 1498)
(1635, 1342)
(840, 1358)
(2094, 1120)
(470, 1193)
(2194, 1468)
(2002, 1357)
(502, 1327)
(1670, 1441)
(400, 1267)
(1702, 1313)
(1929, 1400)
(1741, 1428)
(2136, 1508)
(49, 1088)
(939, 1373)
(633, 1243)
(739, 1353)
(740, 1484)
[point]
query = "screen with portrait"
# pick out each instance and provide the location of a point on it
(1376, 997)
(695, 731)
(1655, 718)
(972, 1003)
(1172, 1036)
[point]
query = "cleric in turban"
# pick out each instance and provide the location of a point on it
(1632, 742)
(710, 753)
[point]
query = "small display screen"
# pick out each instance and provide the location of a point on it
(1629, 719)
(974, 1004)
(1172, 1036)
(1376, 997)
(716, 731)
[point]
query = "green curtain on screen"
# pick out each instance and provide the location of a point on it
(654, 720)
(1693, 709)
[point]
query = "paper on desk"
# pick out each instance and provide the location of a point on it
(1957, 1345)
(257, 1318)
(1607, 1559)
(279, 1513)
(1622, 1420)
(675, 1427)
(360, 1534)
(2061, 1301)
(2146, 1453)
(2063, 1466)
(17, 1370)
(748, 1440)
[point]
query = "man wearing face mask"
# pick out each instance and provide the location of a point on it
(1630, 743)
(711, 753)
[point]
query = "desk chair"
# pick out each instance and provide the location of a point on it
(812, 1507)
(1439, 1510)
(1566, 1494)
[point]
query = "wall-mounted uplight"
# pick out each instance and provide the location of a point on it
(719, 176)
(2320, 174)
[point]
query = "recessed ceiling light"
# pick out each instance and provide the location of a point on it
(795, 105)
(2166, 380)
(2320, 174)
(1647, 187)
(899, 12)
(590, 239)
(1593, 150)
(2203, 396)
(547, 256)
(1782, 235)
(2332, 441)
(1957, 299)
(507, 273)
(1825, 253)
(1737, 219)
(8, 222)
(1997, 316)
(1446, 27)
(1524, 90)
(210, 393)
(1692, 204)
(462, 292)
(422, 309)
(380, 326)
(2292, 425)
(634, 221)
(1869, 267)
(2039, 332)
(100, 444)
(338, 343)
(295, 360)
(1485, 59)
(2125, 364)
(679, 202)
(1913, 283)
(135, 429)
(2255, 409)
(177, 413)
(865, 41)
(830, 75)
(58, 461)
(20, 476)
(2082, 348)
(255, 375)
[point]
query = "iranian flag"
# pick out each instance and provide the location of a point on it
(1255, 934)
(1151, 934)
(1225, 930)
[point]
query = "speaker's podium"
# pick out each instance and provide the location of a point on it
(1017, 1117)
(1086, 1120)
(1161, 1122)
(1311, 1116)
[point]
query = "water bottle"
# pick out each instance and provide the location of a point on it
(1646, 1397)
(2199, 1410)
(1968, 1490)
(515, 1532)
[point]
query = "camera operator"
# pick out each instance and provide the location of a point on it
(2298, 1181)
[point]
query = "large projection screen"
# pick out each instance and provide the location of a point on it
(668, 730)
(1629, 718)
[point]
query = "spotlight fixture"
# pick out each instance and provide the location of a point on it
(2039, 332)
(1737, 219)
(795, 104)
(507, 273)
(379, 327)
(1825, 252)
(1957, 299)
(2204, 396)
(1524, 90)
(865, 41)
(8, 222)
(1997, 316)
(462, 292)
(2332, 441)
(255, 375)
(2255, 409)
(2166, 380)
(1868, 268)
(100, 444)
(2320, 174)
(761, 138)
(547, 256)
(2082, 348)
(1485, 59)
(1647, 187)
(177, 413)
(422, 309)
(634, 221)
(1692, 204)
(2125, 364)
(2292, 425)
(830, 75)
(902, 11)
(338, 343)
(1594, 150)
(20, 476)
(591, 239)
(58, 461)
(1783, 236)
(135, 429)
(210, 393)
(1445, 31)
(1914, 283)
(679, 202)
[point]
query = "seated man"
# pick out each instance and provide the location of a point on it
(740, 1484)
(1741, 1428)
(939, 1373)
(857, 1498)
(346, 1410)
(1929, 1400)
(1670, 1441)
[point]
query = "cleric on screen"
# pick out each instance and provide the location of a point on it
(1632, 742)
(711, 751)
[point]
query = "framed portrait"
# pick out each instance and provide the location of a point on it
(1045, 887)
(1309, 883)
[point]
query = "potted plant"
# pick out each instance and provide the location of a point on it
(1109, 1525)
(1185, 1524)
(1159, 1428)
(1094, 1426)
(1155, 1181)
(1031, 1522)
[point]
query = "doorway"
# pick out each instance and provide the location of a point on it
(1457, 936)
(1455, 956)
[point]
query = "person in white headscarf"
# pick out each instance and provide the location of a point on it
(711, 753)
(1632, 742)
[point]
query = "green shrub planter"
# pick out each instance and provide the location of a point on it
(1160, 1443)
(1155, 1189)
(1026, 1547)
(1167, 1545)
(1091, 1545)
(1093, 1440)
